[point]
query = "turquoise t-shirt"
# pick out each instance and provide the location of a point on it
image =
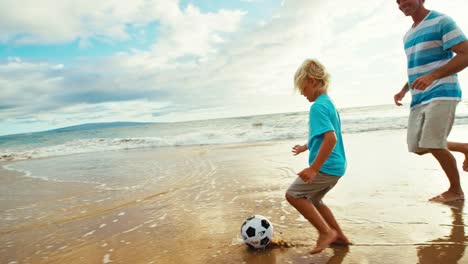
(323, 117)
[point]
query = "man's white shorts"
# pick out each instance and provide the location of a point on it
(429, 125)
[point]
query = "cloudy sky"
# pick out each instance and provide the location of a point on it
(66, 62)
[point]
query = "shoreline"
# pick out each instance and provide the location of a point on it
(4, 163)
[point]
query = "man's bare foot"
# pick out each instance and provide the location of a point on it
(448, 196)
(324, 241)
(342, 240)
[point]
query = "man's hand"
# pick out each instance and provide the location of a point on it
(299, 149)
(307, 174)
(399, 96)
(423, 82)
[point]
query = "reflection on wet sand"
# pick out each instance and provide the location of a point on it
(251, 256)
(450, 249)
(277, 254)
(339, 255)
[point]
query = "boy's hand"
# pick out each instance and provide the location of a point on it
(299, 149)
(307, 174)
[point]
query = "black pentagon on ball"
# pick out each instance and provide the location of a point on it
(264, 241)
(265, 224)
(250, 231)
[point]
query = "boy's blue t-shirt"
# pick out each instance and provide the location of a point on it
(324, 117)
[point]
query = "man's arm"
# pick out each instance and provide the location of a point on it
(399, 96)
(455, 65)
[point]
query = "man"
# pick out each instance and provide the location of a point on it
(429, 45)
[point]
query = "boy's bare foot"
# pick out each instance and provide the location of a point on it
(324, 241)
(342, 240)
(448, 196)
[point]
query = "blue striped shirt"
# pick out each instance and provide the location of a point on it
(427, 48)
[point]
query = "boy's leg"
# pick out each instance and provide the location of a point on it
(330, 219)
(326, 234)
(449, 165)
(462, 148)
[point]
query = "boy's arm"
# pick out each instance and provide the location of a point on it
(328, 143)
(456, 64)
(326, 148)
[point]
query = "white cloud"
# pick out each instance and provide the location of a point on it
(26, 85)
(54, 21)
(192, 33)
(195, 71)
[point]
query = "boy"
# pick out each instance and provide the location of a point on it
(327, 157)
(432, 80)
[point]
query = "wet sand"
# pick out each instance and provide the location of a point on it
(193, 211)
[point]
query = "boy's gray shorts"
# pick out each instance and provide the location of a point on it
(429, 125)
(315, 191)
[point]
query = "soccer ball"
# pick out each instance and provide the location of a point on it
(257, 231)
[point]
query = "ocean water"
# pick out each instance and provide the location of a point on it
(204, 132)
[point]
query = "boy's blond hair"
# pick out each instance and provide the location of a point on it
(312, 69)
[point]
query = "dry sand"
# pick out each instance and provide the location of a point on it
(194, 215)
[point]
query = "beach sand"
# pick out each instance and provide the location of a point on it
(186, 205)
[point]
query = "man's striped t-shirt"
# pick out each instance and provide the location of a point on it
(427, 48)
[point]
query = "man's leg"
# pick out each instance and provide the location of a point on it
(449, 165)
(454, 146)
(462, 148)
(439, 116)
(326, 234)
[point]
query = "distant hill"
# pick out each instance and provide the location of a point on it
(92, 126)
(82, 127)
